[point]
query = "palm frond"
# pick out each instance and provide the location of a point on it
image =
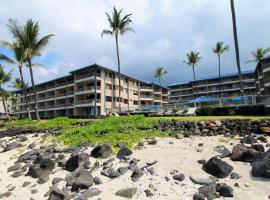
(6, 59)
(41, 44)
(106, 32)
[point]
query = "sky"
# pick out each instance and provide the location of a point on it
(165, 31)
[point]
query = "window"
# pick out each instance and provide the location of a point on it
(135, 102)
(108, 99)
(125, 101)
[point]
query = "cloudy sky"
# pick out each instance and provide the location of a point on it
(165, 31)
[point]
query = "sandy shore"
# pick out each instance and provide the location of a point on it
(170, 153)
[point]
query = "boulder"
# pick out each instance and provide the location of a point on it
(217, 167)
(77, 160)
(243, 153)
(32, 154)
(223, 151)
(102, 151)
(127, 192)
(261, 165)
(123, 152)
(198, 197)
(11, 146)
(80, 179)
(265, 130)
(258, 147)
(179, 177)
(41, 168)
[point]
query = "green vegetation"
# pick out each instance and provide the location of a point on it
(43, 124)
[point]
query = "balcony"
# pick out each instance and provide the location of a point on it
(87, 102)
(146, 89)
(146, 98)
(85, 77)
(87, 89)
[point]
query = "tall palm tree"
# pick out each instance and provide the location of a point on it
(118, 25)
(18, 84)
(193, 59)
(160, 72)
(19, 59)
(237, 54)
(219, 49)
(259, 54)
(4, 78)
(27, 38)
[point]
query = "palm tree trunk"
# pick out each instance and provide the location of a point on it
(119, 72)
(236, 47)
(25, 93)
(34, 88)
(159, 80)
(219, 77)
(4, 103)
(194, 76)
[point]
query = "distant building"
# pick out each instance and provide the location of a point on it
(262, 76)
(230, 86)
(90, 91)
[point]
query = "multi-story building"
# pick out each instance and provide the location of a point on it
(230, 86)
(262, 76)
(90, 91)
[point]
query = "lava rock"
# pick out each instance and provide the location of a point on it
(224, 190)
(11, 146)
(235, 176)
(41, 168)
(261, 165)
(89, 193)
(57, 194)
(198, 197)
(102, 151)
(242, 153)
(110, 172)
(258, 147)
(179, 177)
(123, 152)
(248, 140)
(136, 175)
(77, 160)
(208, 191)
(127, 192)
(80, 179)
(217, 167)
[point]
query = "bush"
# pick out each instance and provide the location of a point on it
(205, 111)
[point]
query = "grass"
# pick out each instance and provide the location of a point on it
(43, 124)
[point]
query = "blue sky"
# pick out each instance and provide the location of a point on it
(165, 31)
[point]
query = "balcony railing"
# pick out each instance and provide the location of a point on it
(86, 75)
(146, 88)
(86, 88)
(87, 101)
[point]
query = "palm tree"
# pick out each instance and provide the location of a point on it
(4, 78)
(118, 26)
(193, 59)
(237, 55)
(219, 49)
(259, 54)
(19, 59)
(18, 84)
(27, 38)
(160, 72)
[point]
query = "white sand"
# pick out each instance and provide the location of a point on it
(181, 155)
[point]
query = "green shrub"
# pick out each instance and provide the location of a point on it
(205, 111)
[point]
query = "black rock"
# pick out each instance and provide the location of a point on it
(77, 160)
(56, 180)
(14, 168)
(235, 176)
(217, 167)
(110, 172)
(152, 141)
(120, 145)
(136, 175)
(80, 179)
(179, 177)
(89, 193)
(148, 193)
(208, 191)
(97, 180)
(202, 161)
(122, 170)
(248, 140)
(133, 167)
(127, 192)
(243, 153)
(223, 151)
(11, 146)
(261, 165)
(102, 151)
(224, 190)
(41, 168)
(57, 194)
(32, 154)
(123, 152)
(198, 197)
(258, 147)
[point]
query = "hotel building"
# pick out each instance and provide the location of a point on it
(230, 86)
(90, 91)
(262, 76)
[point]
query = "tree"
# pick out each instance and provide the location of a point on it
(160, 72)
(219, 49)
(259, 54)
(193, 59)
(118, 26)
(19, 59)
(4, 78)
(237, 54)
(27, 38)
(18, 84)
